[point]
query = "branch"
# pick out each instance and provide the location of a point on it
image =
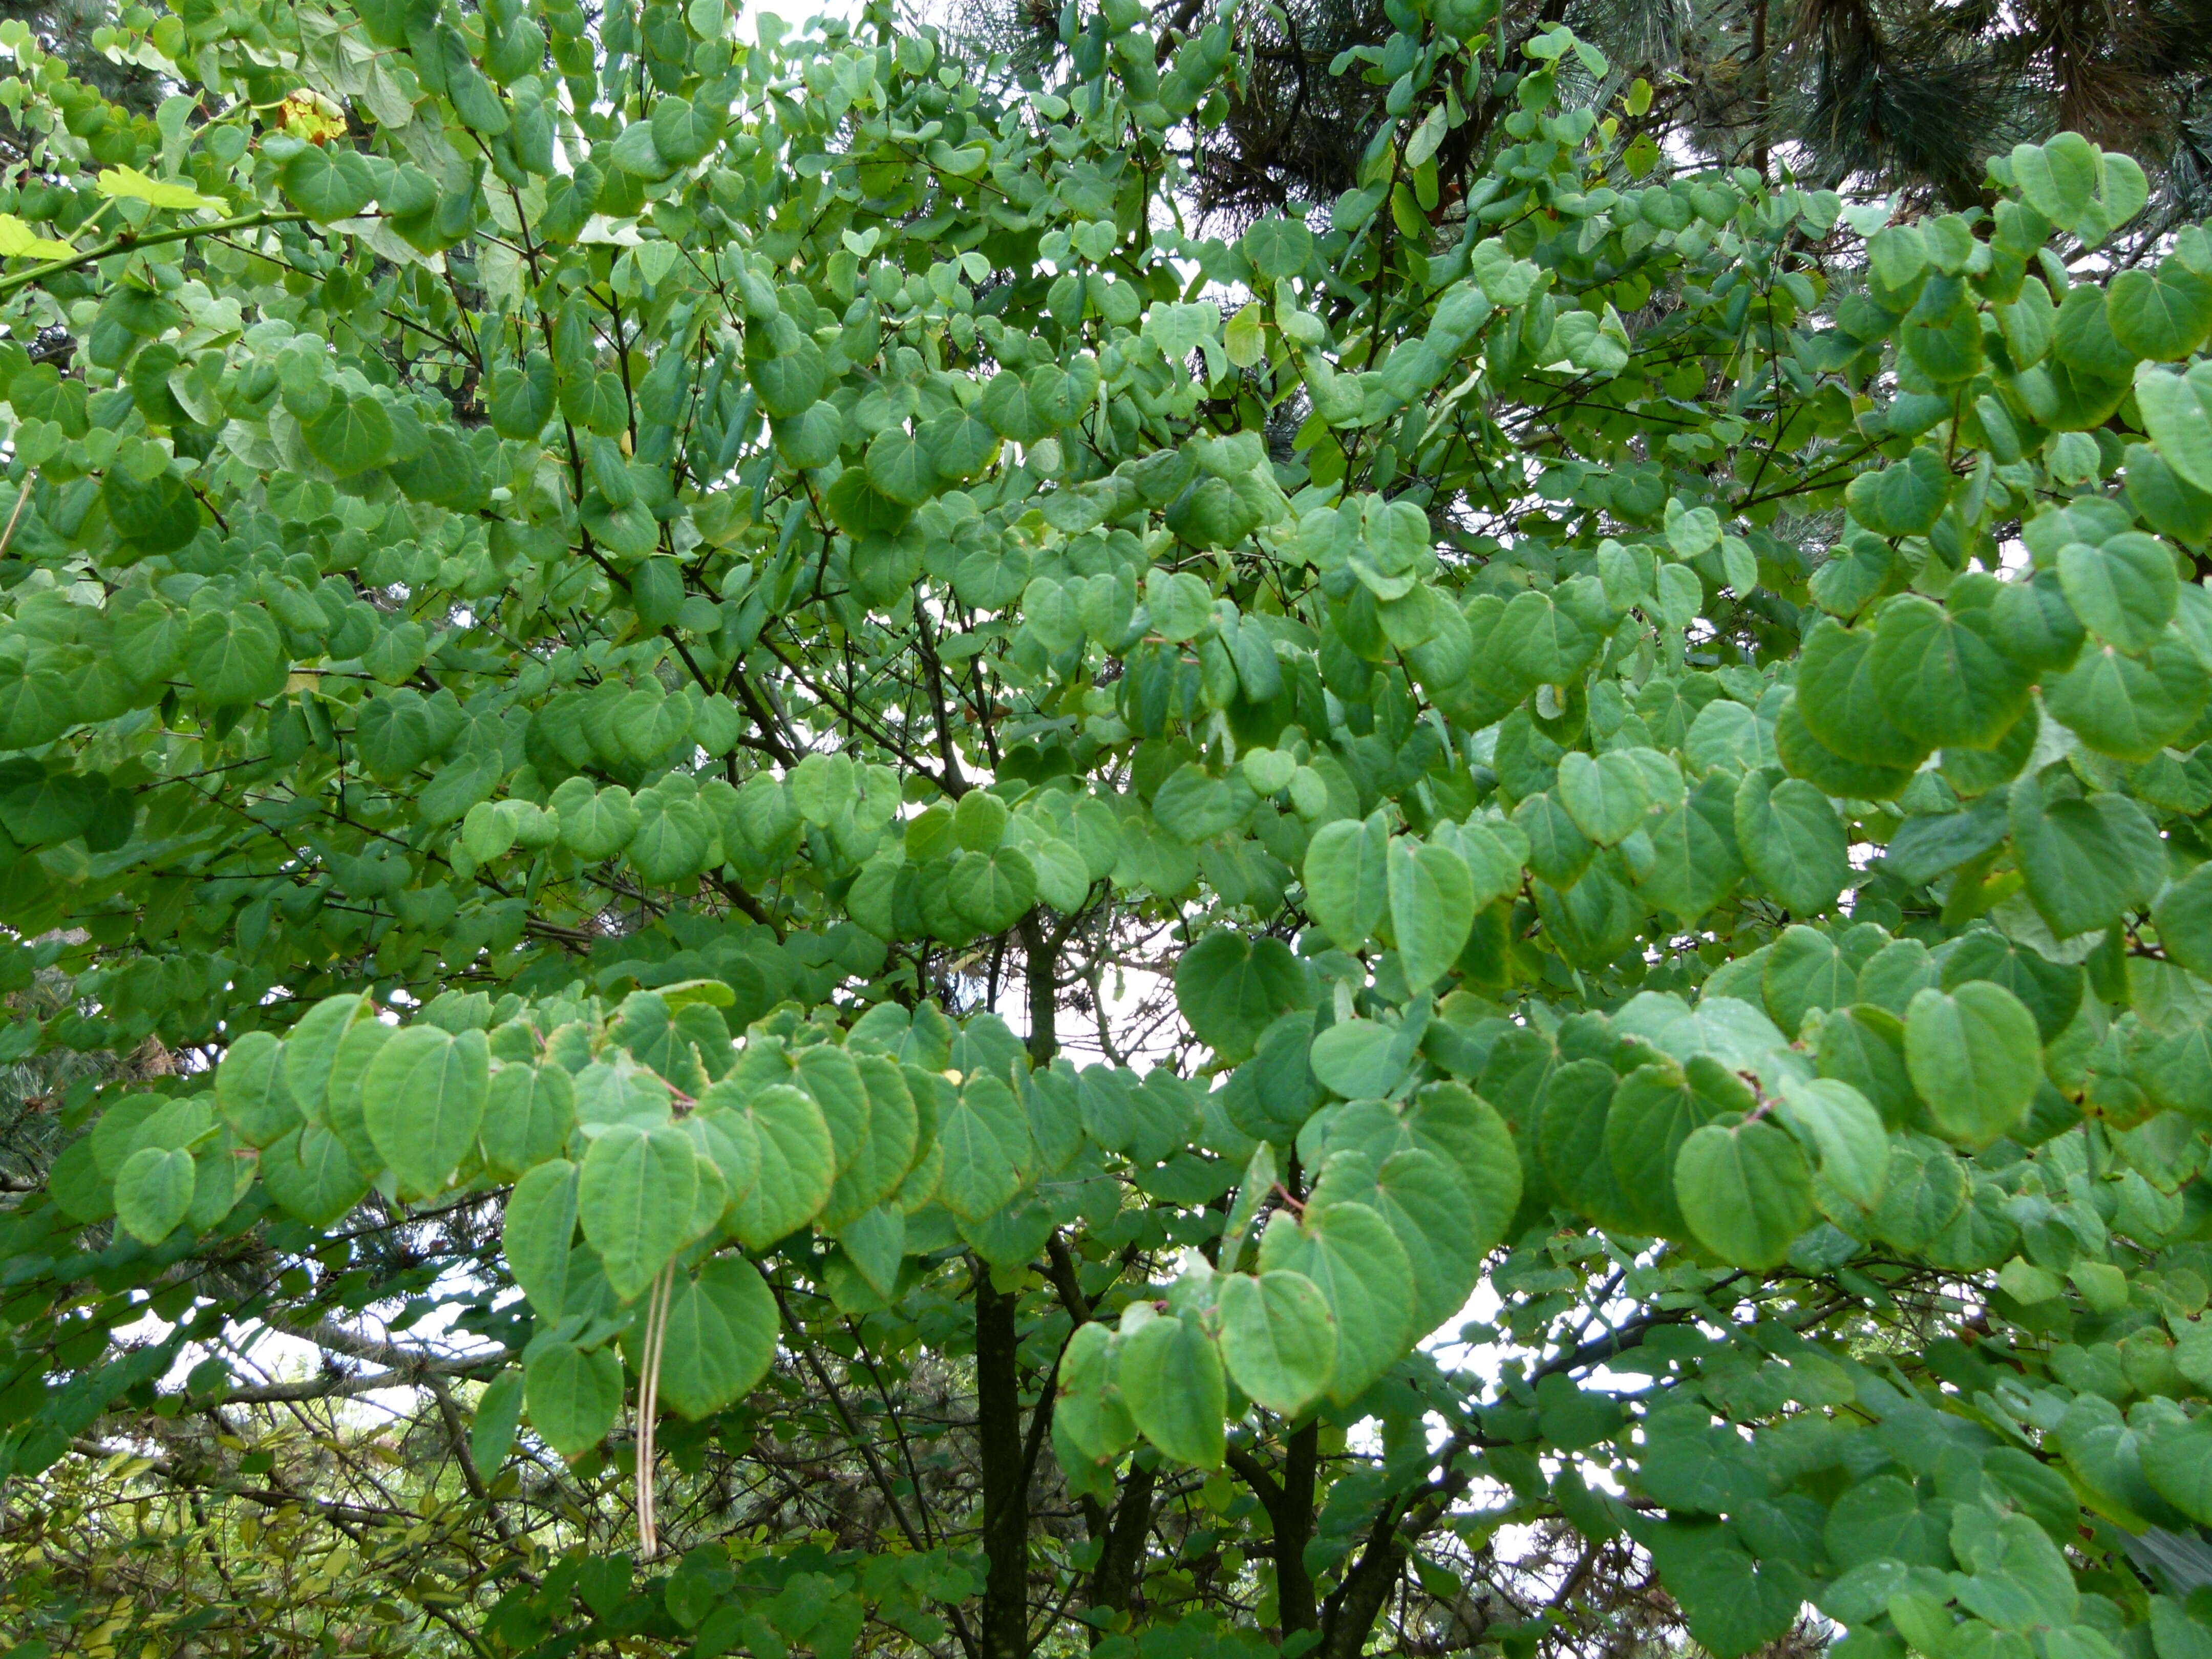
(123, 241)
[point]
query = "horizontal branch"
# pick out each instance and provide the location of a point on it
(123, 241)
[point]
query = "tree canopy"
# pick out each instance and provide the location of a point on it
(1864, 95)
(779, 875)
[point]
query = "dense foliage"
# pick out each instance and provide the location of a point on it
(1865, 95)
(613, 636)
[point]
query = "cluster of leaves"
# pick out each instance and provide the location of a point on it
(583, 581)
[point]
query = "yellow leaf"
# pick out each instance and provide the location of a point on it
(18, 239)
(129, 181)
(306, 114)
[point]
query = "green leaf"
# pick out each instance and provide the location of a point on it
(2183, 917)
(1745, 1191)
(810, 438)
(1356, 1262)
(961, 443)
(1940, 678)
(1726, 735)
(1278, 247)
(1360, 1058)
(2178, 1459)
(1732, 1603)
(1975, 1056)
(1655, 1111)
(309, 1172)
(1171, 1381)
(798, 1159)
(1432, 908)
(1843, 703)
(1805, 972)
(1693, 1466)
(790, 384)
(1790, 836)
(1232, 987)
(1837, 1121)
(539, 1232)
(342, 1111)
(1089, 1409)
(251, 1091)
(1570, 1130)
(681, 131)
(1904, 499)
(1467, 1133)
(351, 435)
(2019, 1581)
(617, 1090)
(1277, 1340)
(1193, 805)
(499, 1413)
(633, 1199)
(422, 1099)
(152, 1190)
(233, 655)
(1421, 1198)
(2086, 860)
(37, 698)
(599, 824)
(1347, 879)
(19, 241)
(311, 1047)
(327, 182)
(1694, 857)
(831, 1075)
(1882, 1518)
(1605, 796)
(2163, 315)
(1545, 643)
(719, 1337)
(2130, 707)
(899, 465)
(881, 1161)
(994, 890)
(529, 1111)
(2058, 179)
(573, 1395)
(2179, 421)
(985, 1139)
(671, 838)
(156, 515)
(2125, 590)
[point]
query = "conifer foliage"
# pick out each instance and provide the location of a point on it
(624, 643)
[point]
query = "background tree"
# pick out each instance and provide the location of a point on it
(836, 967)
(1855, 95)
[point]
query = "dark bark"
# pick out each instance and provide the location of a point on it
(1759, 98)
(1289, 1502)
(1121, 1561)
(1006, 1488)
(1352, 1609)
(1038, 949)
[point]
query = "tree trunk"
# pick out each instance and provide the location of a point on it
(1759, 100)
(1360, 1598)
(1005, 1494)
(1037, 972)
(1294, 1585)
(1113, 1581)
(1289, 1501)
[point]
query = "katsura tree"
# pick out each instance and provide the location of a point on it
(785, 880)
